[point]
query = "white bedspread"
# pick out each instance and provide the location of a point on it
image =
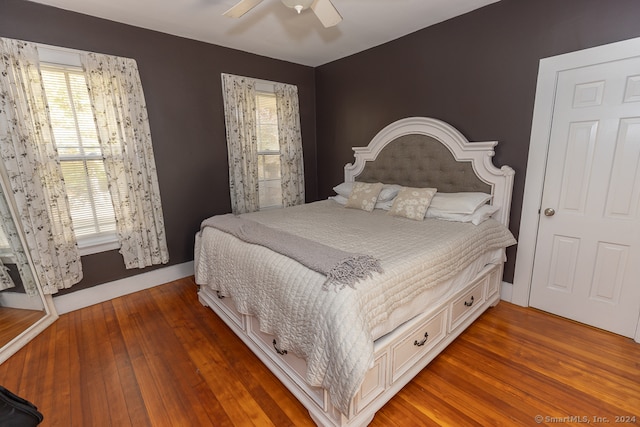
(331, 330)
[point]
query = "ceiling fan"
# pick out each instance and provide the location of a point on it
(324, 9)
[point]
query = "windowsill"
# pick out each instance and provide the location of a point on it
(97, 243)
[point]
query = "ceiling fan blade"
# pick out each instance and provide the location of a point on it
(326, 12)
(241, 8)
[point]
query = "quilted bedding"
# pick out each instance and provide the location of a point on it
(332, 330)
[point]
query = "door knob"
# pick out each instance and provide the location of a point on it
(549, 212)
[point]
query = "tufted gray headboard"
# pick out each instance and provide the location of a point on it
(427, 152)
(417, 160)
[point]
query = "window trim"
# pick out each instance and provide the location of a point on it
(59, 56)
(99, 242)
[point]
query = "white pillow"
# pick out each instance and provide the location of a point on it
(481, 214)
(461, 203)
(344, 189)
(389, 191)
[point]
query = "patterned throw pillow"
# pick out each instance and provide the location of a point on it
(412, 202)
(364, 196)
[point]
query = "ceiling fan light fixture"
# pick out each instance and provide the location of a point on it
(298, 5)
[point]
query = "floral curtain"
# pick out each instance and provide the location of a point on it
(121, 116)
(239, 96)
(10, 232)
(31, 163)
(5, 280)
(290, 138)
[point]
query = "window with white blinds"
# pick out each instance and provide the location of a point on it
(269, 177)
(75, 135)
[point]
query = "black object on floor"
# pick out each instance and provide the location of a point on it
(16, 411)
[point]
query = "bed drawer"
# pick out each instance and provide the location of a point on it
(295, 367)
(228, 306)
(417, 344)
(463, 306)
(374, 383)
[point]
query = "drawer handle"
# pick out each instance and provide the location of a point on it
(469, 304)
(220, 296)
(421, 343)
(280, 352)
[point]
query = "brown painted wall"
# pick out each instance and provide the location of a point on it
(181, 80)
(477, 72)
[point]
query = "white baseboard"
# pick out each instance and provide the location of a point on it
(107, 291)
(506, 292)
(22, 301)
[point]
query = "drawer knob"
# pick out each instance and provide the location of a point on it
(280, 352)
(469, 303)
(421, 343)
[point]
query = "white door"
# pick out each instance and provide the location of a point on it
(587, 256)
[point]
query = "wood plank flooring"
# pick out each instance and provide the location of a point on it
(14, 321)
(158, 358)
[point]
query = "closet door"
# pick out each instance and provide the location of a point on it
(587, 256)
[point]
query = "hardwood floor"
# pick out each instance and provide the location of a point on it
(14, 321)
(158, 358)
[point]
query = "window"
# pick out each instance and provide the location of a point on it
(264, 144)
(81, 160)
(269, 175)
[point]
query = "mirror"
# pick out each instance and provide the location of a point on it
(24, 310)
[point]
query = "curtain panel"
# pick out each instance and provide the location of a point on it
(290, 139)
(33, 170)
(118, 103)
(239, 95)
(5, 280)
(10, 231)
(242, 146)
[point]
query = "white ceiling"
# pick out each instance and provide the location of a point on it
(271, 29)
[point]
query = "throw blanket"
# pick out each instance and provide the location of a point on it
(341, 268)
(333, 331)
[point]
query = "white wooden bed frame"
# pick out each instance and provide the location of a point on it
(403, 353)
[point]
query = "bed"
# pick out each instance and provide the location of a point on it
(344, 350)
